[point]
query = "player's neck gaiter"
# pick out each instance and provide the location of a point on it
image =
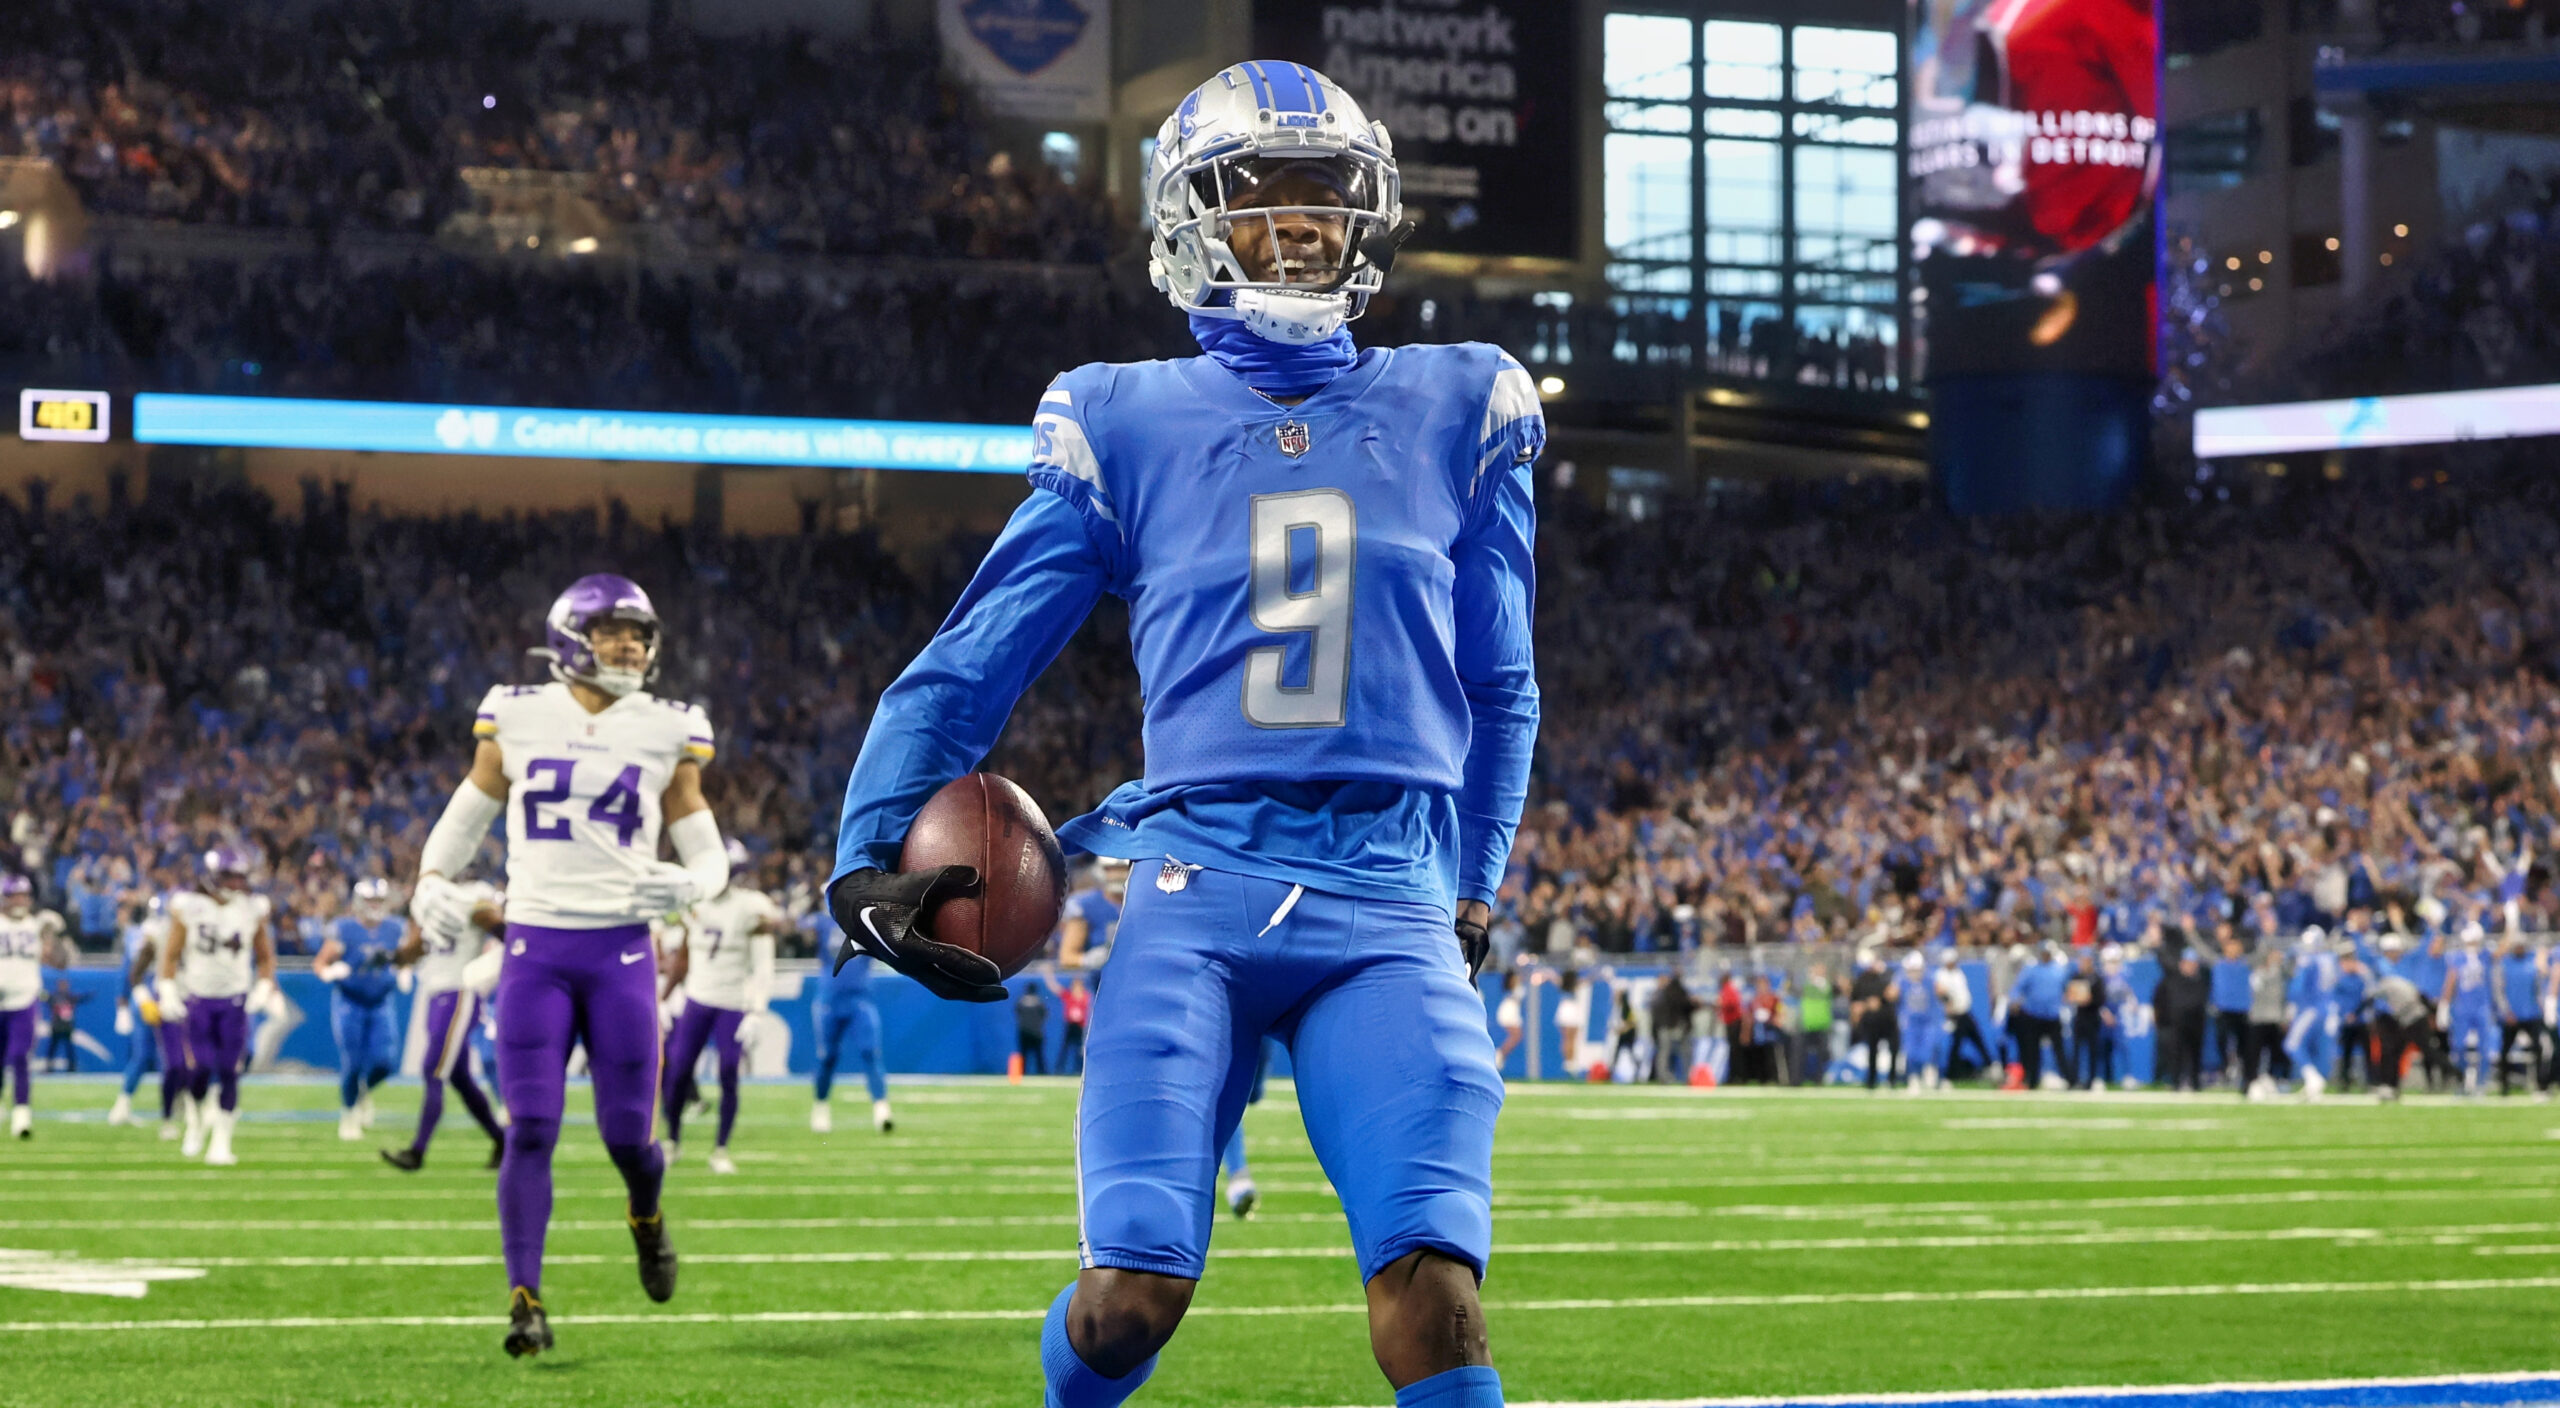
(1273, 368)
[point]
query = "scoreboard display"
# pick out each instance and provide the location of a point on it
(62, 415)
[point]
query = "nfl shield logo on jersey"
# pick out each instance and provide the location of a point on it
(1294, 438)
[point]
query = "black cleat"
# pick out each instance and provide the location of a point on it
(657, 1256)
(528, 1329)
(405, 1160)
(497, 1153)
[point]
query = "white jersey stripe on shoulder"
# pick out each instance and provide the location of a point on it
(1070, 451)
(1514, 399)
(1059, 394)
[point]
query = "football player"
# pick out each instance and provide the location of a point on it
(726, 968)
(1924, 1024)
(2469, 1013)
(842, 1016)
(218, 965)
(586, 770)
(441, 956)
(28, 936)
(356, 960)
(1326, 556)
(169, 1032)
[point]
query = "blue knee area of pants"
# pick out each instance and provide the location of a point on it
(1072, 1382)
(1476, 1386)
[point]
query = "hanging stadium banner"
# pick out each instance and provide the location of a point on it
(1478, 95)
(1046, 60)
(2035, 164)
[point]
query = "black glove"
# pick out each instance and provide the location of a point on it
(1475, 945)
(882, 912)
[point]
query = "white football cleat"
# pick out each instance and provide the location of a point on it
(217, 1149)
(168, 1130)
(2314, 1084)
(881, 1119)
(822, 1120)
(22, 1122)
(721, 1163)
(191, 1143)
(364, 1111)
(670, 1148)
(121, 1112)
(350, 1124)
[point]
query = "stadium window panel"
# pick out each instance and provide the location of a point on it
(1846, 191)
(2215, 152)
(1852, 68)
(1742, 186)
(1743, 282)
(1745, 61)
(1646, 196)
(1743, 122)
(1646, 59)
(1846, 130)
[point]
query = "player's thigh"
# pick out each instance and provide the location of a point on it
(17, 1035)
(684, 1044)
(862, 1030)
(537, 1022)
(1158, 1066)
(724, 1042)
(618, 1011)
(1399, 1091)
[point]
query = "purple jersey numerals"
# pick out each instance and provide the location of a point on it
(618, 806)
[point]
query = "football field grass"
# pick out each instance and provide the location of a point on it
(1650, 1244)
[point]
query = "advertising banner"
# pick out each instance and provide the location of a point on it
(2035, 162)
(1046, 60)
(1478, 95)
(264, 422)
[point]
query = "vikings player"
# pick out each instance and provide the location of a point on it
(176, 1074)
(586, 770)
(442, 959)
(726, 967)
(356, 961)
(218, 966)
(1326, 555)
(27, 939)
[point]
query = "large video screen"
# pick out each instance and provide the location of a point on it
(2035, 159)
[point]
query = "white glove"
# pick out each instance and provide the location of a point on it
(480, 975)
(439, 905)
(666, 889)
(142, 996)
(124, 1020)
(337, 972)
(265, 998)
(668, 1011)
(173, 1004)
(405, 979)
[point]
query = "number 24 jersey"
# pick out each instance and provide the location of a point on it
(585, 790)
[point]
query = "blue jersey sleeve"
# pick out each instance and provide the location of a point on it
(1496, 582)
(1036, 586)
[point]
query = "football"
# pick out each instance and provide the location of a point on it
(988, 822)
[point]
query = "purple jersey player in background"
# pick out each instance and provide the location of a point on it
(585, 770)
(442, 960)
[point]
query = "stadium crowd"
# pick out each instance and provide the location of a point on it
(2316, 703)
(363, 114)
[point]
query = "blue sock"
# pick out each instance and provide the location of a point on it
(1477, 1386)
(1073, 1384)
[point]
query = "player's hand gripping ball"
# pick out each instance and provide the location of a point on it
(980, 884)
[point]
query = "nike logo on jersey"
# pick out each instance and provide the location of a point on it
(630, 958)
(517, 948)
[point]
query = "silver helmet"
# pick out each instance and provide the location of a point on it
(1244, 130)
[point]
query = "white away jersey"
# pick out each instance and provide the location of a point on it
(719, 953)
(221, 954)
(23, 940)
(584, 798)
(444, 953)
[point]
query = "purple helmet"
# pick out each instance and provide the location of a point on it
(16, 891)
(228, 867)
(599, 597)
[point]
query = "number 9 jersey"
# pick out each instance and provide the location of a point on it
(584, 797)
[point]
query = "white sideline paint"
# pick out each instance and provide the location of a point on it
(68, 1275)
(2046, 1395)
(1738, 1302)
(2342, 1236)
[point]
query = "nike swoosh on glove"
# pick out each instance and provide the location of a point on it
(1475, 943)
(883, 913)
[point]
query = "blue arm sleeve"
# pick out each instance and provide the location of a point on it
(1038, 583)
(1496, 582)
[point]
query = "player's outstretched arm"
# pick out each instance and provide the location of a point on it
(1496, 584)
(1036, 586)
(456, 837)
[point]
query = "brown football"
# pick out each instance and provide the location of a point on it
(987, 822)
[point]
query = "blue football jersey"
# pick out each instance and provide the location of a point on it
(369, 952)
(1329, 604)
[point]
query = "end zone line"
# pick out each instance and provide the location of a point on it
(2423, 1392)
(1734, 1302)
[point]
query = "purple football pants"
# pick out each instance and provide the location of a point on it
(17, 1043)
(217, 1037)
(564, 986)
(450, 1018)
(175, 1067)
(697, 1024)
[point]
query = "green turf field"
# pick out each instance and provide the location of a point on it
(1650, 1243)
